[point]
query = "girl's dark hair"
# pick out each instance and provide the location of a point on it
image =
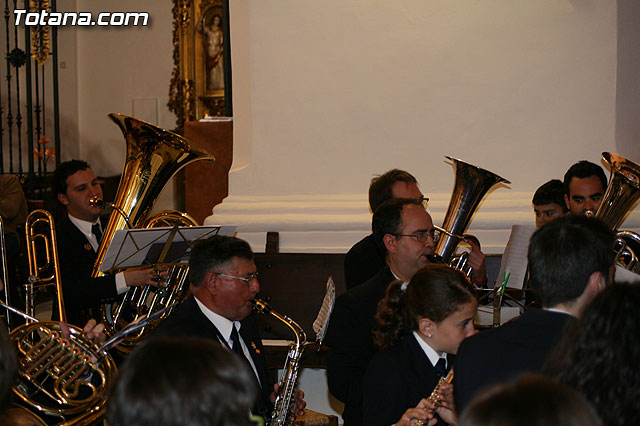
(434, 292)
(598, 355)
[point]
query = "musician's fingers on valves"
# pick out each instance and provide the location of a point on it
(93, 331)
(145, 276)
(477, 261)
(298, 404)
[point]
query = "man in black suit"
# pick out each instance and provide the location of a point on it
(404, 230)
(224, 282)
(78, 240)
(365, 259)
(571, 260)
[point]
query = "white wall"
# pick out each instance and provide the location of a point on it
(330, 93)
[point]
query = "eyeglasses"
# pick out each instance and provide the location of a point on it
(423, 200)
(423, 236)
(247, 280)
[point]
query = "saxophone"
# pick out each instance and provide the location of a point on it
(287, 385)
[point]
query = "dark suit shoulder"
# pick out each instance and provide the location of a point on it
(362, 262)
(501, 354)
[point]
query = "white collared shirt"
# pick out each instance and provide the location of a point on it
(562, 311)
(430, 352)
(225, 326)
(85, 227)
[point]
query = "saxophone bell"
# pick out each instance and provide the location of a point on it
(287, 385)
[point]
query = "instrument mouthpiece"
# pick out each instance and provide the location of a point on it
(97, 202)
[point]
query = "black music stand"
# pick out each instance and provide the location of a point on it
(156, 246)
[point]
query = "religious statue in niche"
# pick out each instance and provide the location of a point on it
(210, 26)
(213, 47)
(200, 82)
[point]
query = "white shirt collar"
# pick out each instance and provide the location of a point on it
(562, 311)
(85, 228)
(223, 325)
(429, 351)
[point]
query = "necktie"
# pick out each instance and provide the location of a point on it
(95, 230)
(237, 348)
(441, 367)
(260, 406)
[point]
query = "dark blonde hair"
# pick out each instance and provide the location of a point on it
(435, 292)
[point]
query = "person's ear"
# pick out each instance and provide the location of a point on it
(597, 282)
(211, 282)
(390, 242)
(425, 325)
(62, 198)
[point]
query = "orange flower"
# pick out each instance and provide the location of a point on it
(37, 154)
(44, 140)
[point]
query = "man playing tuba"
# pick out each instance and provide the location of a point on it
(79, 236)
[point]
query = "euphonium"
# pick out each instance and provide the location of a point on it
(153, 156)
(471, 185)
(287, 385)
(147, 300)
(619, 199)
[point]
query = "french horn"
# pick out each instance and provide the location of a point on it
(154, 155)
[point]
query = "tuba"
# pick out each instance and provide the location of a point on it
(619, 199)
(153, 156)
(471, 185)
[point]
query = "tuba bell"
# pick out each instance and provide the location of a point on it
(619, 199)
(153, 156)
(471, 185)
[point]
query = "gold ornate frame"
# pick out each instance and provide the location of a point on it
(201, 80)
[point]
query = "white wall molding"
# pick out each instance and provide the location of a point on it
(332, 223)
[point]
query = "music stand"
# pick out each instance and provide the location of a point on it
(152, 246)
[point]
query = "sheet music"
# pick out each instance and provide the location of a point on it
(129, 247)
(322, 320)
(514, 260)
